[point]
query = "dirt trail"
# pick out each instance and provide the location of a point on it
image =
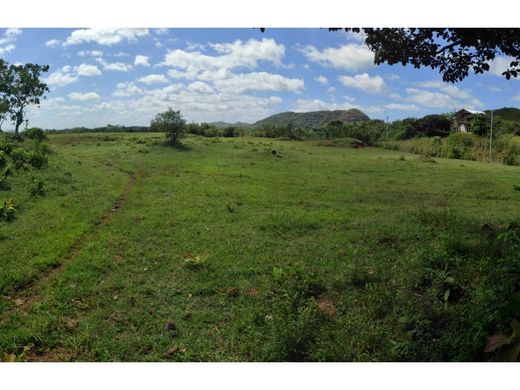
(32, 292)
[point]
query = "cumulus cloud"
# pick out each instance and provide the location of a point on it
(115, 66)
(303, 105)
(52, 43)
(127, 89)
(229, 55)
(350, 56)
(321, 79)
(105, 36)
(153, 79)
(200, 87)
(141, 60)
(87, 70)
(84, 96)
(364, 82)
(7, 42)
(63, 76)
(258, 81)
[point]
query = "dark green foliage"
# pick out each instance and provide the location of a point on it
(21, 158)
(37, 186)
(480, 124)
(454, 51)
(35, 133)
(229, 132)
(171, 123)
(20, 87)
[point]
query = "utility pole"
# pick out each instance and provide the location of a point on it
(491, 136)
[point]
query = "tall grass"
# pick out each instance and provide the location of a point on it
(464, 146)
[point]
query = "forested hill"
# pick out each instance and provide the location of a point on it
(312, 120)
(507, 113)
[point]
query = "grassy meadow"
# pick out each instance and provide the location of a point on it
(254, 249)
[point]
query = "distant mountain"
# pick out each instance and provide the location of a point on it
(312, 120)
(221, 125)
(507, 113)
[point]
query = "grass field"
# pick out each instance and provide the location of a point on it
(227, 251)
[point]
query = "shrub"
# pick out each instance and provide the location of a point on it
(37, 187)
(35, 133)
(37, 158)
(7, 210)
(4, 174)
(20, 157)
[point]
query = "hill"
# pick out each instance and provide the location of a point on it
(507, 113)
(221, 125)
(312, 120)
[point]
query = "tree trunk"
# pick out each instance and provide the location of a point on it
(19, 121)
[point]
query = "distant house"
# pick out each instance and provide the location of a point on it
(460, 119)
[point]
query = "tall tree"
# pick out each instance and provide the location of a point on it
(20, 87)
(171, 123)
(453, 51)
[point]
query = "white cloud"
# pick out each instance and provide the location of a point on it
(500, 64)
(402, 107)
(153, 79)
(331, 90)
(321, 79)
(87, 70)
(304, 105)
(517, 97)
(231, 55)
(83, 96)
(7, 49)
(105, 36)
(258, 81)
(350, 56)
(364, 82)
(393, 77)
(115, 66)
(13, 32)
(61, 77)
(7, 43)
(90, 53)
(141, 60)
(52, 43)
(127, 89)
(200, 87)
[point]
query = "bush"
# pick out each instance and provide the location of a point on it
(21, 158)
(37, 186)
(35, 133)
(7, 210)
(4, 174)
(37, 158)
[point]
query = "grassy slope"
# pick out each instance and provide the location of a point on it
(358, 222)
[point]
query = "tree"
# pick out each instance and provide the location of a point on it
(453, 51)
(171, 123)
(20, 87)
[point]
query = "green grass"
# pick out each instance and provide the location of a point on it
(223, 251)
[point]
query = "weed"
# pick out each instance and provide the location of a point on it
(7, 210)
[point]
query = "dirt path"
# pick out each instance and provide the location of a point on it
(31, 293)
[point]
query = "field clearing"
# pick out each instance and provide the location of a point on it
(226, 251)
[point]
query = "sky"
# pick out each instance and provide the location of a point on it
(124, 76)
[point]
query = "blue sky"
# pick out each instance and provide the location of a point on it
(126, 76)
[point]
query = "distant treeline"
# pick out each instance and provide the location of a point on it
(104, 129)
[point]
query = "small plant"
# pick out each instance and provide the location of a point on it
(194, 262)
(7, 210)
(37, 186)
(4, 174)
(402, 158)
(516, 187)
